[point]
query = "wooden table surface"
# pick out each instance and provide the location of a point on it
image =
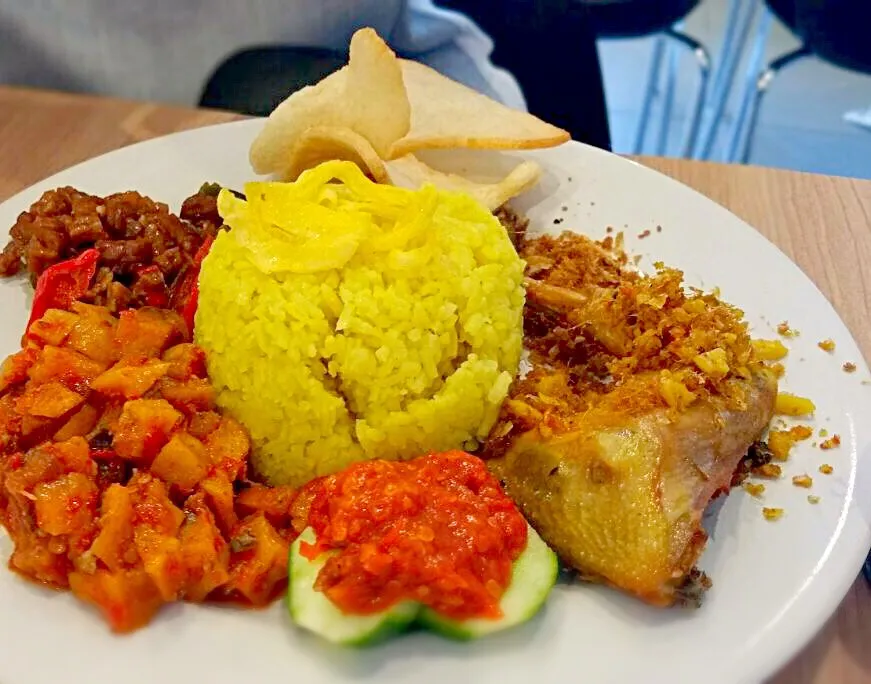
(822, 223)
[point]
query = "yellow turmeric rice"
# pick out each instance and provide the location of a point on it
(344, 320)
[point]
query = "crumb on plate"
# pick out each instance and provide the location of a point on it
(827, 345)
(769, 350)
(803, 481)
(784, 330)
(781, 441)
(772, 513)
(788, 404)
(831, 442)
(769, 470)
(754, 488)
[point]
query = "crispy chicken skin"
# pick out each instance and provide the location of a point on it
(621, 498)
(642, 398)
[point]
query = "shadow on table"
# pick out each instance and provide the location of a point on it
(844, 638)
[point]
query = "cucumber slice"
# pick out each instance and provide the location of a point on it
(312, 610)
(532, 577)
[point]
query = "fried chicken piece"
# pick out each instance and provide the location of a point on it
(621, 497)
(643, 398)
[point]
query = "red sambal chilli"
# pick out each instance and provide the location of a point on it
(437, 530)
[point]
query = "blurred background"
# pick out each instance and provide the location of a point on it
(810, 118)
(783, 83)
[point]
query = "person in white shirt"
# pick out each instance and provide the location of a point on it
(165, 50)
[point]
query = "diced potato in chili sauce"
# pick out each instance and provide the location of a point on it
(128, 599)
(65, 505)
(94, 334)
(204, 552)
(149, 332)
(185, 361)
(72, 368)
(191, 395)
(114, 543)
(14, 369)
(228, 448)
(118, 473)
(144, 427)
(183, 462)
(130, 380)
(48, 505)
(204, 423)
(79, 424)
(36, 558)
(220, 496)
(54, 327)
(258, 559)
(50, 400)
(273, 502)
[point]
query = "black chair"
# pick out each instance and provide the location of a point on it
(835, 31)
(548, 46)
(784, 10)
(254, 81)
(622, 19)
(635, 18)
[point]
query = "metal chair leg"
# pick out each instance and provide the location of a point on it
(754, 67)
(649, 93)
(703, 59)
(744, 134)
(728, 54)
(762, 86)
(671, 57)
(738, 24)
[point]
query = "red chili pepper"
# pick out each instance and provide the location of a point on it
(186, 295)
(63, 283)
(190, 306)
(103, 454)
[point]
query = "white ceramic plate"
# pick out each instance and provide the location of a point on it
(774, 583)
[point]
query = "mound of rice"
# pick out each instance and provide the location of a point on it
(348, 320)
